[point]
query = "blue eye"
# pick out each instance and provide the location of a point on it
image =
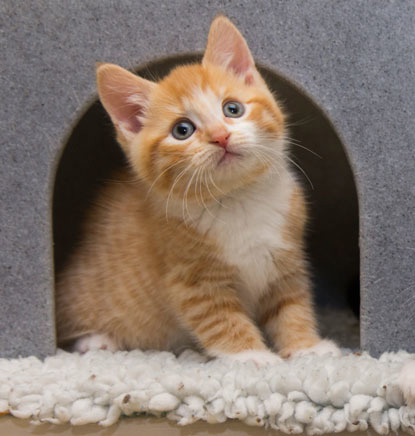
(183, 129)
(233, 109)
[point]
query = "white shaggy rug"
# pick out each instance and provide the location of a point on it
(312, 394)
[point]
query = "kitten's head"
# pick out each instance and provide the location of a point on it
(202, 131)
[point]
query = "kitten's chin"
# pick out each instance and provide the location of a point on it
(237, 168)
(228, 158)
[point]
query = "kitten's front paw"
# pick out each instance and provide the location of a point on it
(259, 357)
(95, 341)
(407, 382)
(323, 347)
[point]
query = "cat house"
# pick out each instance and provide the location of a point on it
(344, 72)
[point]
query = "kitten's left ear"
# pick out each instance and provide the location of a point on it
(227, 47)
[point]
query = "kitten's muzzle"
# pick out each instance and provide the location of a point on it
(220, 138)
(228, 156)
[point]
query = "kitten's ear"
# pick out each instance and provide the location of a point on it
(227, 47)
(124, 96)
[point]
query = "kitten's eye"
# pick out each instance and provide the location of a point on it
(183, 129)
(233, 109)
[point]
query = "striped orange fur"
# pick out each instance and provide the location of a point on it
(201, 243)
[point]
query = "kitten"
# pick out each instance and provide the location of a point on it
(202, 245)
(407, 382)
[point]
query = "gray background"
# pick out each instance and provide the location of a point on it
(355, 59)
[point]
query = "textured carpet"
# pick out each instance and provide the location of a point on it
(312, 394)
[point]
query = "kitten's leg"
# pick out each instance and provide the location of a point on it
(407, 382)
(287, 315)
(94, 341)
(216, 318)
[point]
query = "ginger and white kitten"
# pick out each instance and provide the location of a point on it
(203, 242)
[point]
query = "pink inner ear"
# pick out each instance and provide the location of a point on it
(127, 114)
(227, 47)
(249, 79)
(241, 59)
(134, 122)
(124, 96)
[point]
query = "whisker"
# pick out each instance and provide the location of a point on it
(301, 122)
(262, 153)
(290, 141)
(158, 177)
(201, 198)
(131, 180)
(176, 180)
(208, 189)
(207, 208)
(214, 184)
(185, 207)
(196, 185)
(305, 174)
(262, 158)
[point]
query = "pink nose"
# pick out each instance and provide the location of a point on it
(220, 138)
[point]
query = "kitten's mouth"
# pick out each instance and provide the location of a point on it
(227, 157)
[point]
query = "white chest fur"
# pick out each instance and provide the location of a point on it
(249, 227)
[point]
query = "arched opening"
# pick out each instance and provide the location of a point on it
(91, 155)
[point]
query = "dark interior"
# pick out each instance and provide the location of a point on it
(91, 155)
